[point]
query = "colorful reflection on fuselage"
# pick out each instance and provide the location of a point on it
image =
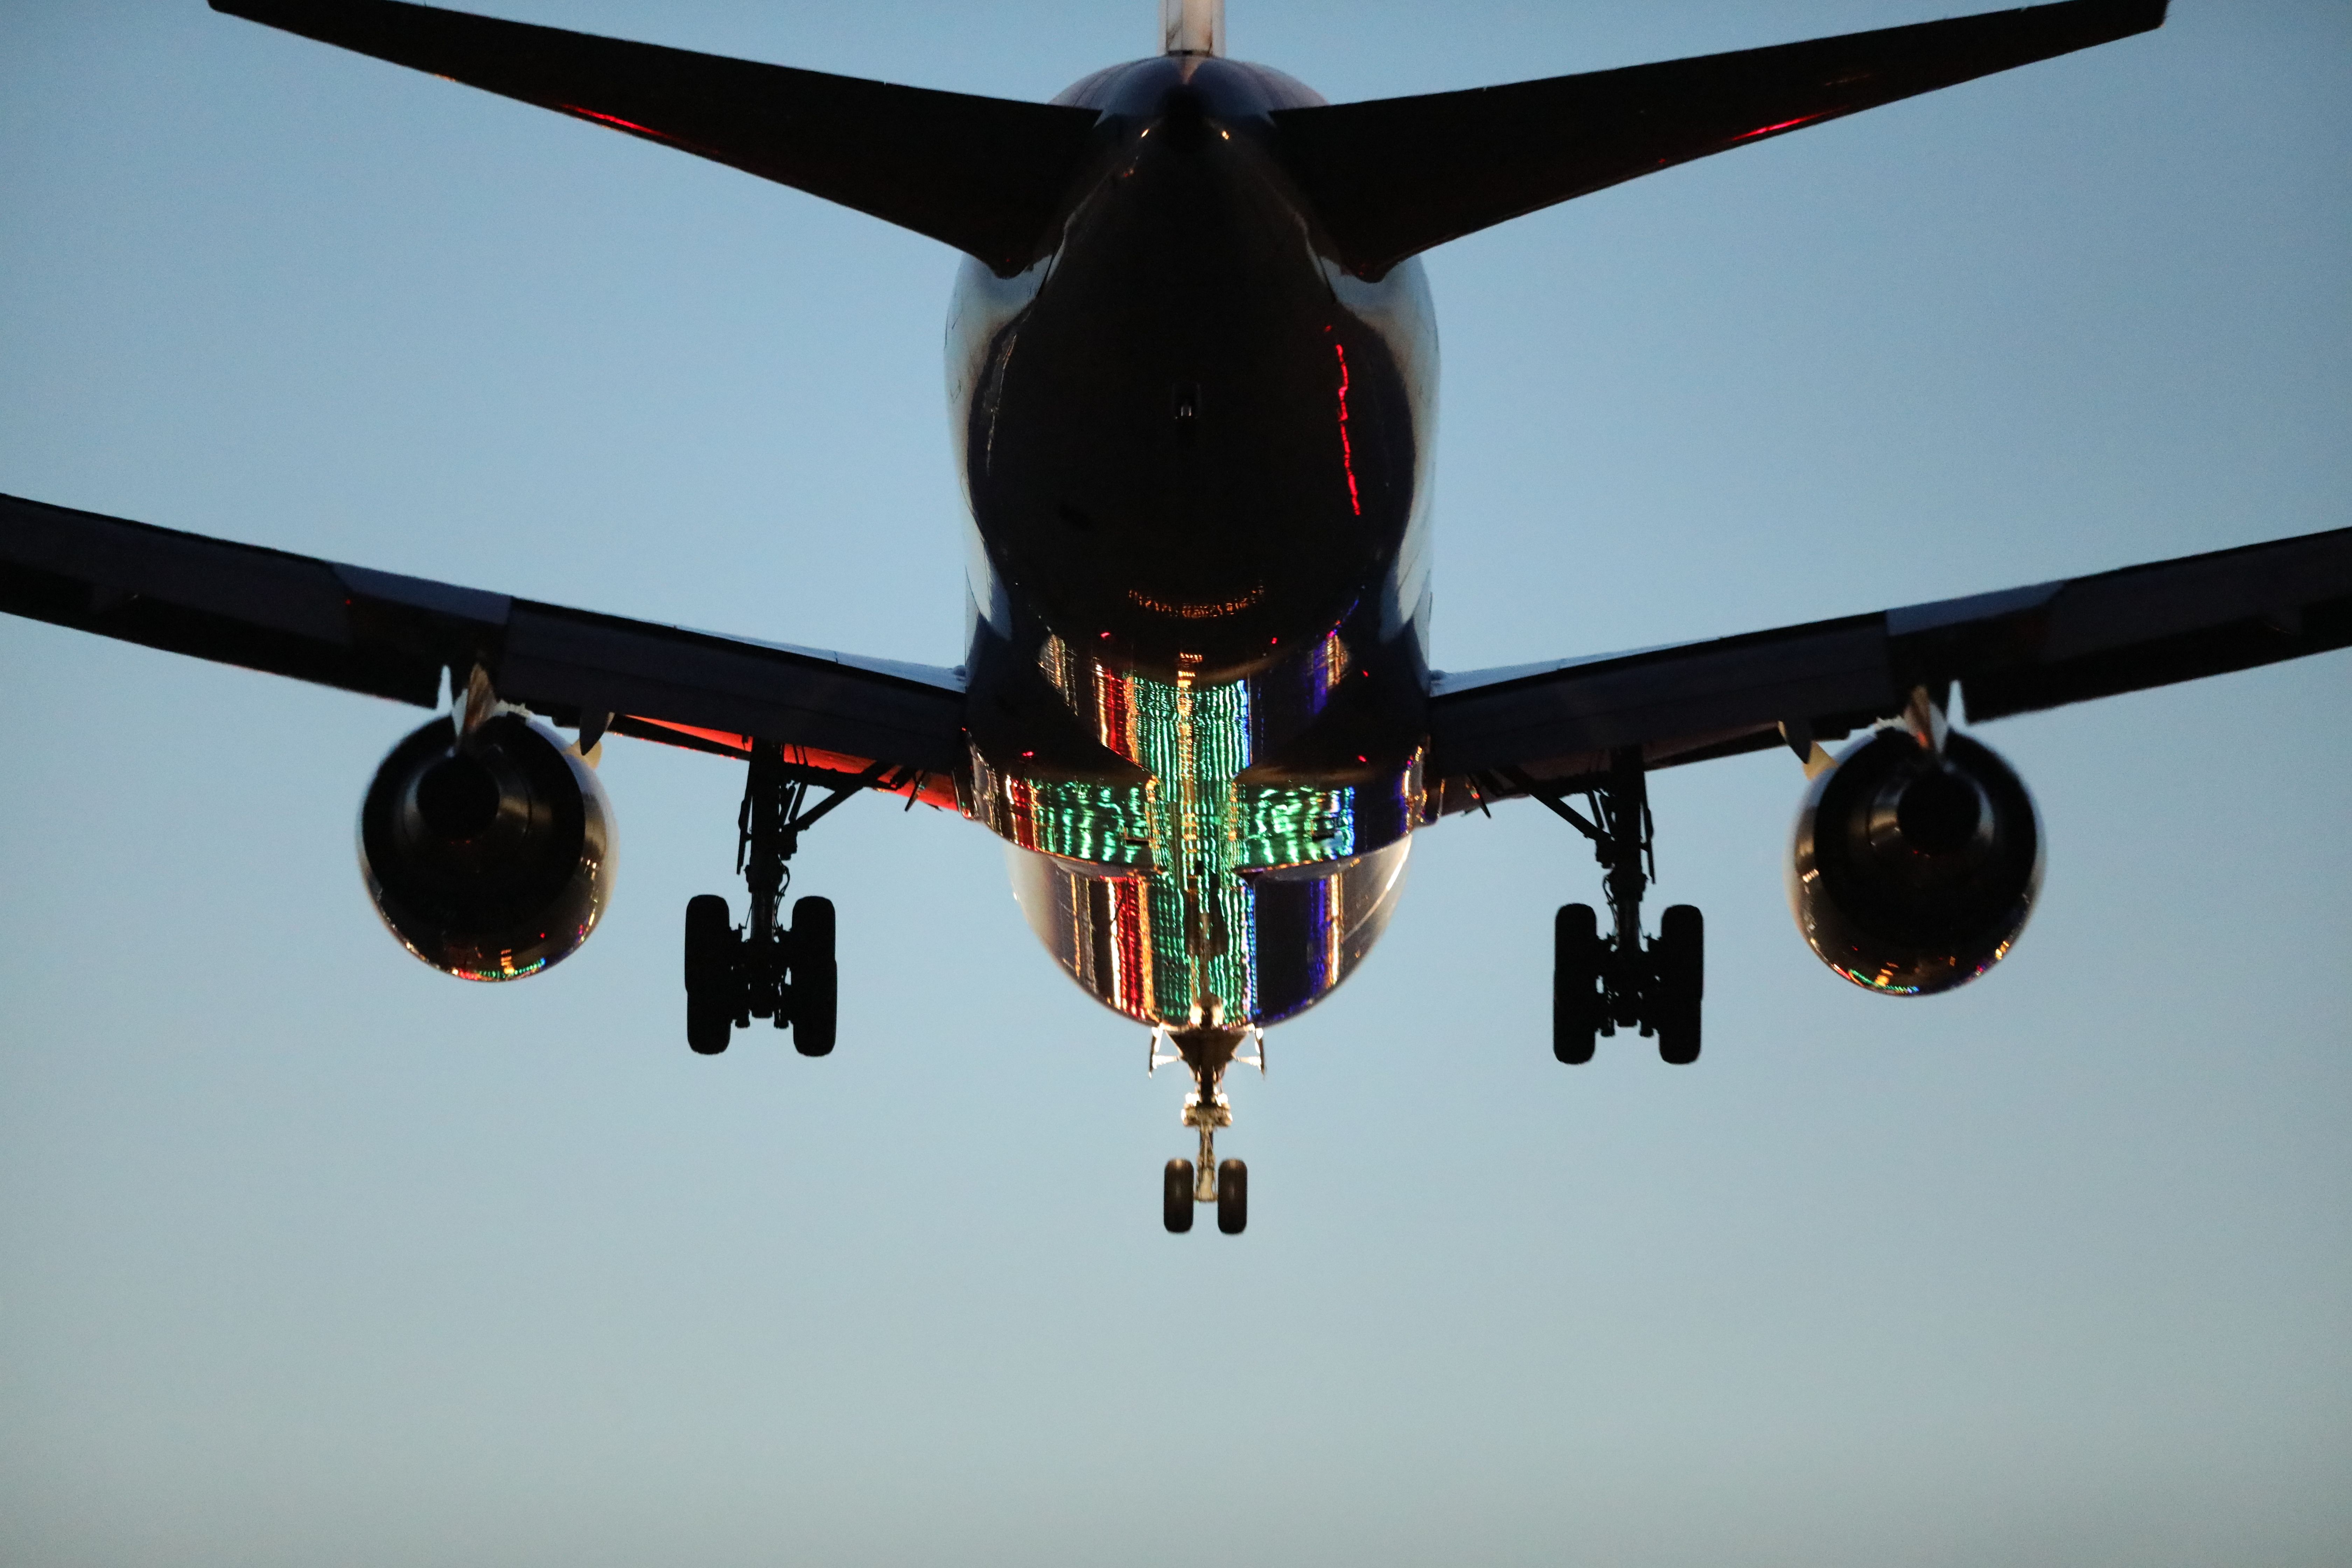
(1199, 894)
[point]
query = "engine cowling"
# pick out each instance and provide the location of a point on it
(1912, 872)
(490, 856)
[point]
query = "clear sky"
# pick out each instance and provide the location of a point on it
(310, 1255)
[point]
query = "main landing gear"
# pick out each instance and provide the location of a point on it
(1206, 1050)
(763, 968)
(1603, 983)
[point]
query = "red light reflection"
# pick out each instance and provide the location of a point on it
(1767, 130)
(1347, 449)
(615, 121)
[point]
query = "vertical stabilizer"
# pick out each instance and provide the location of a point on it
(1192, 26)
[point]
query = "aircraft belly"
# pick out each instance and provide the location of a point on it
(1237, 849)
(1222, 947)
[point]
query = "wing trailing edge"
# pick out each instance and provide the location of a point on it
(1391, 177)
(986, 176)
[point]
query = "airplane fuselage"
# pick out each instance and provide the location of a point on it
(1196, 454)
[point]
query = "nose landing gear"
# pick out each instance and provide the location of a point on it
(1206, 1051)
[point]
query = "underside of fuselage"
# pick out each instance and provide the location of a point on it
(1195, 450)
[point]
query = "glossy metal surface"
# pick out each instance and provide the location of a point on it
(1210, 951)
(1196, 455)
(1912, 873)
(490, 857)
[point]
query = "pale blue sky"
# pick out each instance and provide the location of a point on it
(310, 1255)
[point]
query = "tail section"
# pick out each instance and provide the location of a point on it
(1394, 176)
(986, 176)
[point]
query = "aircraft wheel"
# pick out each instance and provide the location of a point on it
(708, 1028)
(1176, 1196)
(1233, 1197)
(817, 979)
(711, 947)
(1681, 956)
(1576, 1000)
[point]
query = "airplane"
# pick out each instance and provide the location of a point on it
(1191, 372)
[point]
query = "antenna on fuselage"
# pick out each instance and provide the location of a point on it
(1192, 26)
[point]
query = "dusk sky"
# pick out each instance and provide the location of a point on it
(311, 1255)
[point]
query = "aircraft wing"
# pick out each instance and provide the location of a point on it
(392, 636)
(2017, 651)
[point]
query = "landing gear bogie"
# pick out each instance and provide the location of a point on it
(1602, 984)
(763, 969)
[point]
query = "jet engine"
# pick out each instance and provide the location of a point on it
(489, 854)
(1914, 870)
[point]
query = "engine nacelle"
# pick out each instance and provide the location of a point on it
(490, 856)
(1913, 873)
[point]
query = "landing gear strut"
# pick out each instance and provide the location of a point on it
(1600, 985)
(762, 969)
(1206, 1051)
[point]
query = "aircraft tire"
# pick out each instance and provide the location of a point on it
(816, 978)
(1681, 955)
(709, 944)
(1233, 1197)
(1176, 1196)
(708, 1028)
(1575, 999)
(711, 947)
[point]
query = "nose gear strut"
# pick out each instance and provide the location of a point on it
(1206, 1050)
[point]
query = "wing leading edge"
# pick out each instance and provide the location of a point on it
(392, 636)
(2017, 651)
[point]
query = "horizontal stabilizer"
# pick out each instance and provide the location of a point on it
(1394, 176)
(986, 176)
